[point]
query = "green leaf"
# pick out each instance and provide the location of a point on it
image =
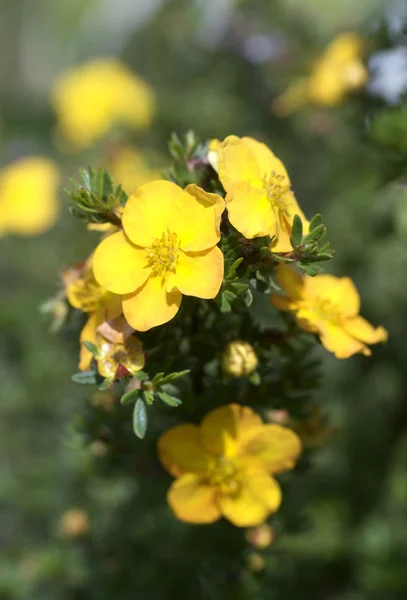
(248, 297)
(92, 348)
(323, 256)
(173, 376)
(106, 384)
(141, 376)
(140, 419)
(316, 234)
(170, 400)
(130, 396)
(225, 306)
(238, 288)
(312, 271)
(232, 269)
(315, 222)
(296, 233)
(148, 396)
(158, 377)
(85, 377)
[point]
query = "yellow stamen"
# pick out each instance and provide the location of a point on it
(327, 310)
(163, 254)
(224, 475)
(277, 186)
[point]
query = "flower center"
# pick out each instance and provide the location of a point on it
(224, 476)
(163, 254)
(277, 186)
(327, 310)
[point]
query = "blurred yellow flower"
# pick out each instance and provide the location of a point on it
(239, 359)
(28, 196)
(339, 70)
(259, 198)
(328, 306)
(224, 466)
(92, 98)
(86, 295)
(129, 169)
(168, 248)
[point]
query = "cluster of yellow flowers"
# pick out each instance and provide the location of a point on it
(167, 247)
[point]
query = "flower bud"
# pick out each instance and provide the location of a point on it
(261, 536)
(239, 359)
(74, 523)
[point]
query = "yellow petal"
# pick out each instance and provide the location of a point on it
(118, 265)
(28, 196)
(259, 496)
(282, 303)
(213, 157)
(196, 217)
(340, 291)
(362, 330)
(116, 330)
(147, 213)
(181, 451)
(198, 274)
(290, 280)
(192, 500)
(151, 305)
(236, 162)
(112, 306)
(88, 334)
(266, 160)
(281, 242)
(250, 210)
(223, 428)
(271, 446)
(337, 340)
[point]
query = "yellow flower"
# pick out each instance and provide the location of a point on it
(129, 355)
(129, 169)
(28, 196)
(329, 306)
(86, 295)
(339, 70)
(239, 359)
(92, 98)
(168, 248)
(224, 466)
(259, 198)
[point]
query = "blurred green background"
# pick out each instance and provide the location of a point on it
(215, 66)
